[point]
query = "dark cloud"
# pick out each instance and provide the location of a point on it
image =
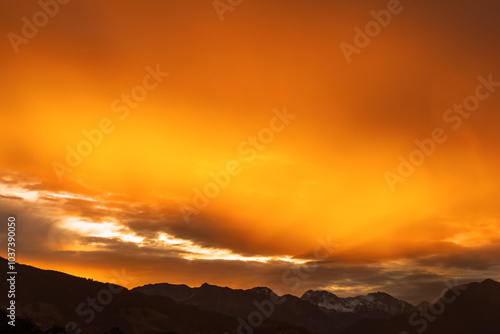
(476, 258)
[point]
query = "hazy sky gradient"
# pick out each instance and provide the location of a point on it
(322, 176)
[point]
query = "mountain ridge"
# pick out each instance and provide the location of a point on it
(53, 298)
(56, 301)
(375, 301)
(297, 311)
(472, 308)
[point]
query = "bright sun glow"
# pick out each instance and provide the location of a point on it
(101, 230)
(196, 252)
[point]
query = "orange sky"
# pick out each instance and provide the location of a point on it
(320, 174)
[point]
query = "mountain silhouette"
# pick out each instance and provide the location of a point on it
(347, 311)
(241, 303)
(468, 309)
(53, 299)
(53, 302)
(308, 312)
